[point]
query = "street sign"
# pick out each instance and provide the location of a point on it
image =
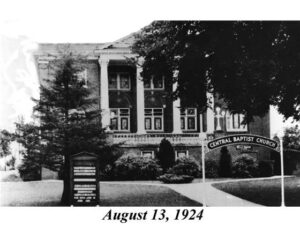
(84, 179)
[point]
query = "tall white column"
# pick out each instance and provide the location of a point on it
(140, 101)
(104, 94)
(176, 113)
(210, 114)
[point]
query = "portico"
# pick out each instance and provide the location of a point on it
(153, 119)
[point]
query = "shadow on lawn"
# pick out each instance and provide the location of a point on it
(141, 195)
(48, 193)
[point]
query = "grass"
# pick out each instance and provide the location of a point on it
(141, 195)
(34, 193)
(265, 192)
(48, 193)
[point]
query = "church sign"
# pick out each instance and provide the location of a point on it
(242, 142)
(244, 148)
(84, 180)
(242, 139)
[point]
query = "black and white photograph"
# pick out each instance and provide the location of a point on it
(148, 112)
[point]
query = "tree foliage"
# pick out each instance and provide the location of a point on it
(5, 139)
(225, 163)
(69, 117)
(291, 138)
(28, 136)
(166, 155)
(250, 65)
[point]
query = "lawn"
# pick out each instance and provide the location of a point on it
(34, 193)
(265, 192)
(141, 195)
(48, 193)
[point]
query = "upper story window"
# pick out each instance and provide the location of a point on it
(119, 81)
(120, 119)
(154, 83)
(188, 119)
(234, 122)
(154, 119)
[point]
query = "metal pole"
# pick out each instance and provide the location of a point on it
(282, 173)
(203, 171)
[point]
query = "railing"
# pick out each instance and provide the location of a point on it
(155, 139)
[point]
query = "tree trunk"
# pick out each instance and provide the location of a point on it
(65, 199)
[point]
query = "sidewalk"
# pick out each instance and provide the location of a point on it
(213, 196)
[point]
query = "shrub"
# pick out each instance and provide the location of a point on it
(30, 168)
(107, 157)
(29, 137)
(265, 169)
(211, 168)
(244, 166)
(29, 172)
(225, 163)
(133, 167)
(175, 179)
(166, 154)
(107, 173)
(185, 166)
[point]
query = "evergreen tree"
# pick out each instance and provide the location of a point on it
(69, 117)
(5, 139)
(225, 163)
(28, 136)
(166, 155)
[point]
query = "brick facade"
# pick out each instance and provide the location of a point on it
(117, 53)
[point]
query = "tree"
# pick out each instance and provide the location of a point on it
(291, 138)
(69, 117)
(166, 155)
(225, 163)
(5, 139)
(28, 136)
(250, 65)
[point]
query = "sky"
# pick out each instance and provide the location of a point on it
(23, 24)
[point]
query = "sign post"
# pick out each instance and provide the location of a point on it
(203, 168)
(282, 173)
(84, 179)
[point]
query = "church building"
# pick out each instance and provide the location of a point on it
(139, 113)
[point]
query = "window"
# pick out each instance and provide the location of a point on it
(154, 119)
(82, 76)
(188, 119)
(120, 119)
(112, 81)
(234, 122)
(119, 81)
(148, 154)
(181, 154)
(154, 83)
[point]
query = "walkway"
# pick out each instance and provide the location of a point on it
(213, 196)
